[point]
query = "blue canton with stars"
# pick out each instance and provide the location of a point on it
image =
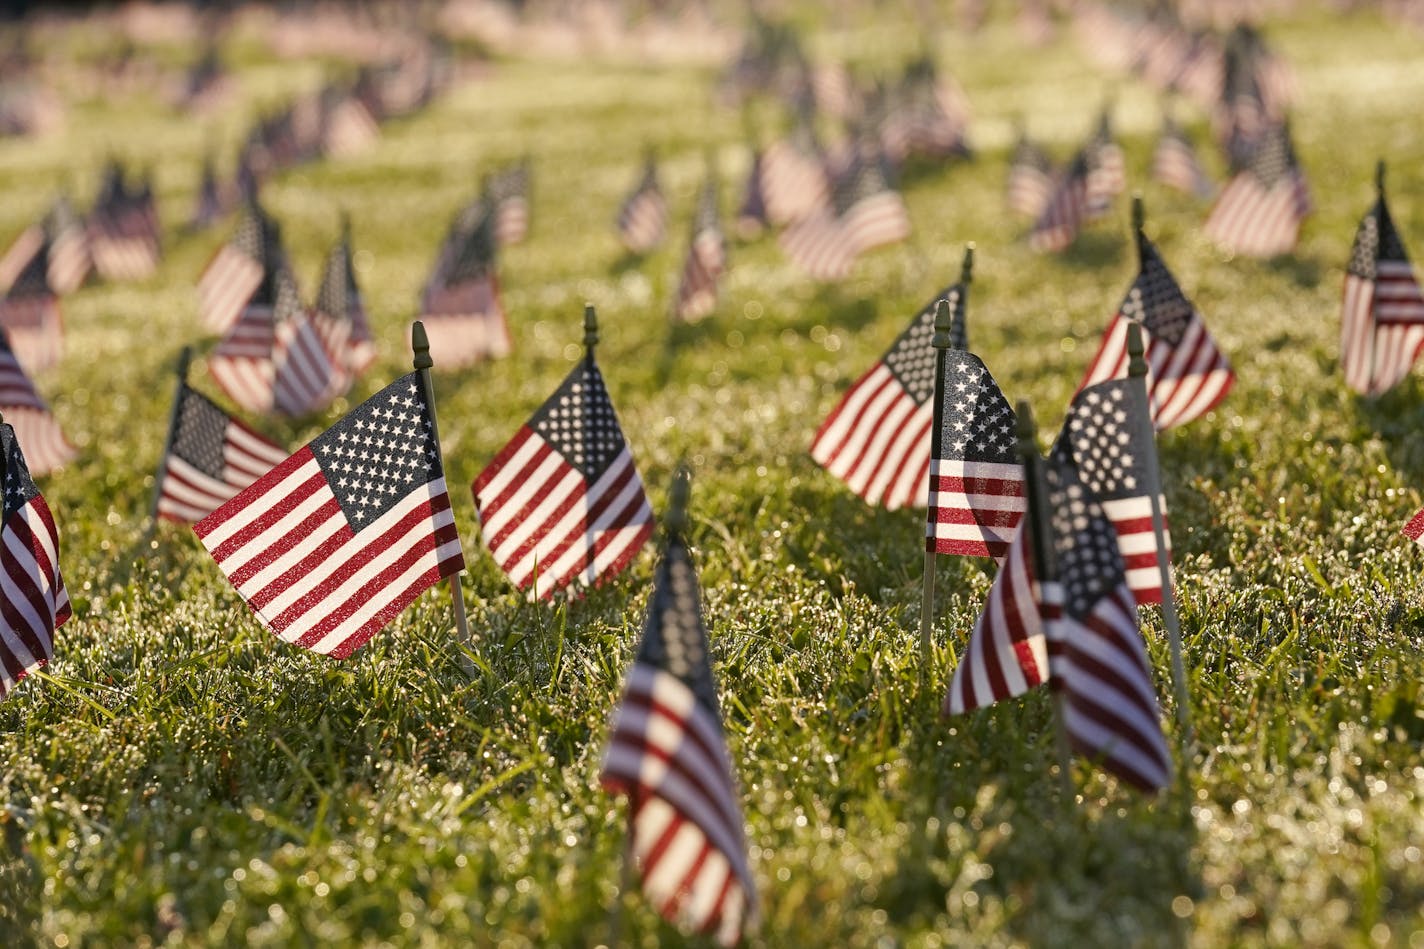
(1156, 300)
(1105, 443)
(578, 421)
(976, 422)
(911, 358)
(674, 637)
(1084, 541)
(380, 452)
(20, 488)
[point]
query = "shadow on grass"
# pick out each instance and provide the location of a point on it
(1398, 418)
(680, 335)
(1095, 249)
(1302, 271)
(628, 261)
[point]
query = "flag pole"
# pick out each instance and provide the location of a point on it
(1138, 218)
(1373, 348)
(1137, 370)
(1037, 522)
(590, 333)
(420, 344)
(184, 359)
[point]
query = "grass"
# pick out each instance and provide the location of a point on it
(177, 776)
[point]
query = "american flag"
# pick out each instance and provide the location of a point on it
(1260, 210)
(34, 425)
(667, 753)
(752, 217)
(642, 219)
(273, 358)
(29, 314)
(347, 126)
(339, 314)
(19, 255)
(876, 439)
(1175, 164)
(706, 260)
(1007, 652)
(1101, 438)
(562, 503)
(1030, 182)
(211, 457)
(866, 213)
(509, 192)
(69, 260)
(1107, 171)
(1098, 660)
(1187, 375)
(793, 176)
(333, 543)
(460, 307)
(35, 603)
(124, 233)
(1382, 321)
(1063, 216)
(1414, 530)
(976, 495)
(237, 270)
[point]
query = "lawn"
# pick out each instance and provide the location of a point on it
(178, 776)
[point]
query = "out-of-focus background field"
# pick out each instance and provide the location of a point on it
(178, 776)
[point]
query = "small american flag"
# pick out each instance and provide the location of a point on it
(562, 503)
(1187, 374)
(69, 259)
(752, 217)
(19, 255)
(876, 439)
(333, 543)
(211, 457)
(460, 307)
(27, 413)
(866, 213)
(35, 602)
(29, 314)
(667, 753)
(1414, 530)
(1382, 320)
(124, 232)
(273, 358)
(238, 268)
(1063, 216)
(793, 176)
(1101, 439)
(1107, 170)
(1030, 182)
(509, 192)
(339, 314)
(706, 261)
(642, 219)
(347, 126)
(1260, 210)
(1097, 657)
(1175, 164)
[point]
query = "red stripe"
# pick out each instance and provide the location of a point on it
(255, 493)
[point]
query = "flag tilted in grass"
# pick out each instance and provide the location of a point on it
(1175, 163)
(1030, 182)
(460, 307)
(1260, 210)
(1008, 650)
(877, 438)
(18, 256)
(34, 425)
(212, 456)
(1103, 442)
(1382, 320)
(35, 602)
(706, 261)
(667, 753)
(752, 216)
(273, 358)
(29, 313)
(1414, 530)
(793, 176)
(328, 547)
(238, 268)
(865, 213)
(1107, 170)
(562, 503)
(509, 192)
(69, 259)
(1187, 375)
(1097, 657)
(339, 314)
(124, 230)
(976, 496)
(1066, 210)
(642, 218)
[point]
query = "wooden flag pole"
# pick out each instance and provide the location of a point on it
(420, 343)
(1137, 370)
(1038, 522)
(184, 359)
(947, 321)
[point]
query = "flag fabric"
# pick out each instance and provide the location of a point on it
(460, 306)
(1030, 182)
(1260, 210)
(706, 261)
(328, 547)
(211, 457)
(642, 219)
(346, 125)
(1187, 374)
(562, 503)
(1103, 442)
(1067, 209)
(69, 258)
(124, 234)
(209, 204)
(509, 192)
(22, 250)
(1382, 319)
(976, 494)
(876, 439)
(340, 315)
(34, 425)
(793, 176)
(752, 217)
(1107, 170)
(273, 359)
(667, 753)
(238, 268)
(30, 315)
(865, 213)
(1098, 661)
(35, 603)
(1175, 163)
(1414, 530)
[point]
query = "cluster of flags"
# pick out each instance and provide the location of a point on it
(1062, 202)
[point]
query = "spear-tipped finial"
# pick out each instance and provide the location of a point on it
(1025, 429)
(966, 269)
(675, 520)
(1139, 216)
(420, 343)
(1136, 364)
(590, 328)
(944, 326)
(1379, 177)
